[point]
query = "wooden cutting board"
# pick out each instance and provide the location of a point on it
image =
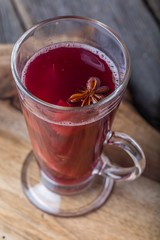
(132, 211)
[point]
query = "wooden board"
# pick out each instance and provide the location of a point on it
(10, 27)
(132, 212)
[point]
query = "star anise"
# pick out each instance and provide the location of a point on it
(91, 94)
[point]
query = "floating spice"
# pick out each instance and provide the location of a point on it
(91, 94)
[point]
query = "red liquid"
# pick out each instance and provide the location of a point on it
(66, 153)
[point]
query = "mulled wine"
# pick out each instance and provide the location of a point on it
(71, 74)
(67, 153)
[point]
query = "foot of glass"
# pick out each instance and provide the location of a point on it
(53, 201)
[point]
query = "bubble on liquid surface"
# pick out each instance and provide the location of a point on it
(94, 50)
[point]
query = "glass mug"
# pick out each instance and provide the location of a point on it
(68, 173)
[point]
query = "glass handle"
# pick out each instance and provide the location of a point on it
(132, 148)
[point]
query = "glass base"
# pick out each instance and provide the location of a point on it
(52, 199)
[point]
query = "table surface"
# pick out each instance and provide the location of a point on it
(133, 210)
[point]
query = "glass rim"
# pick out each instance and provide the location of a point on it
(105, 100)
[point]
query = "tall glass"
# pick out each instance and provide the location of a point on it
(68, 174)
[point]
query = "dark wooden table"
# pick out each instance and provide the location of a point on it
(133, 211)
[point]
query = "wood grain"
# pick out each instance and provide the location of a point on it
(134, 23)
(132, 211)
(10, 27)
(127, 120)
(7, 85)
(154, 5)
